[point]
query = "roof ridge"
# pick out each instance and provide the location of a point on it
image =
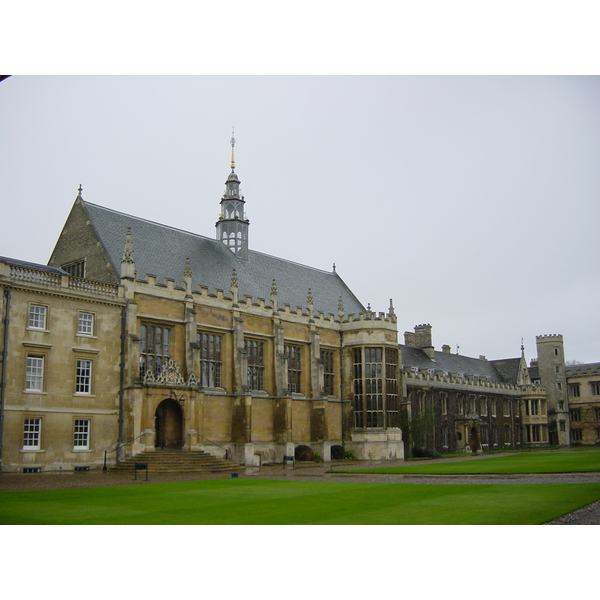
(198, 235)
(118, 212)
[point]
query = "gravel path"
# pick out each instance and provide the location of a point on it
(588, 515)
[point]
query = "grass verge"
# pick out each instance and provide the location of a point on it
(542, 462)
(268, 502)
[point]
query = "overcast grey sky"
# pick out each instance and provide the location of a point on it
(472, 202)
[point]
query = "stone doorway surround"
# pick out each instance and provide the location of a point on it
(168, 420)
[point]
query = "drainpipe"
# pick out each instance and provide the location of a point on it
(121, 383)
(6, 322)
(342, 385)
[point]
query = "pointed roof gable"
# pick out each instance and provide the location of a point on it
(509, 368)
(161, 251)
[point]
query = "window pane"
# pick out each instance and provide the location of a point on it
(37, 316)
(81, 433)
(83, 382)
(85, 323)
(31, 432)
(35, 373)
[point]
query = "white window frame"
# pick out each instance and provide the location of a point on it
(38, 317)
(85, 325)
(34, 373)
(32, 433)
(81, 434)
(83, 377)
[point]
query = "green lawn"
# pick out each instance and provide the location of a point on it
(268, 502)
(541, 462)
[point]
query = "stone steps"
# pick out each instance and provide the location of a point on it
(179, 461)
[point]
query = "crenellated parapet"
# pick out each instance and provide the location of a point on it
(444, 379)
(550, 337)
(265, 307)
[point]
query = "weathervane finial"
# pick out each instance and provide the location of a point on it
(232, 149)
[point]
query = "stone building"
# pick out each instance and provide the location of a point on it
(583, 388)
(456, 403)
(61, 351)
(138, 337)
(157, 338)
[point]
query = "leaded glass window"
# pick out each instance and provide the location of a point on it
(328, 380)
(294, 368)
(154, 348)
(255, 350)
(210, 359)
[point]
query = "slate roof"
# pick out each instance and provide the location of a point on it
(451, 363)
(161, 251)
(582, 370)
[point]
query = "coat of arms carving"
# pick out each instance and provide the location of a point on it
(169, 375)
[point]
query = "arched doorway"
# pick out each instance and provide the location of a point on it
(168, 421)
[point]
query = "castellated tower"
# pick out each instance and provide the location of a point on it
(551, 365)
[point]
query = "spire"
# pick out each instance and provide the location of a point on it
(187, 277)
(79, 196)
(232, 226)
(232, 141)
(310, 303)
(128, 260)
(391, 311)
(128, 248)
(233, 287)
(274, 296)
(187, 270)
